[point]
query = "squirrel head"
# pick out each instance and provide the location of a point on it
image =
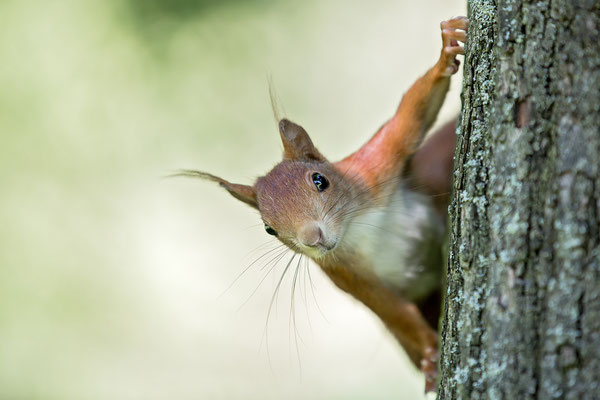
(304, 200)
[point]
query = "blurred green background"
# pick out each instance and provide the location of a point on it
(111, 276)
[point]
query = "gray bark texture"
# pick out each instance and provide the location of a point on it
(522, 309)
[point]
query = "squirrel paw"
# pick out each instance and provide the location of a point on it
(453, 32)
(429, 368)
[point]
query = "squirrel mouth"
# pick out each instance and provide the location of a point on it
(329, 246)
(319, 250)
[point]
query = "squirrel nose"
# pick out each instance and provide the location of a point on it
(310, 235)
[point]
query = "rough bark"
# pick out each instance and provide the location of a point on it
(522, 311)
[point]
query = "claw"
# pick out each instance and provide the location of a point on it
(459, 22)
(453, 34)
(429, 368)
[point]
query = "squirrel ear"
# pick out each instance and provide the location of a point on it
(244, 193)
(296, 142)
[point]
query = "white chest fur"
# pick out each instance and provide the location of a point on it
(400, 243)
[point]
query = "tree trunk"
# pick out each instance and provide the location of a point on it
(522, 311)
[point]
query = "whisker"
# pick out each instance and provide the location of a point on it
(305, 297)
(273, 260)
(266, 330)
(285, 249)
(292, 320)
(251, 226)
(373, 226)
(312, 289)
(338, 199)
(247, 268)
(400, 177)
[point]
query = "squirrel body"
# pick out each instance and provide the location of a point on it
(375, 221)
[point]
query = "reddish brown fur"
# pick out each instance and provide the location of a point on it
(385, 154)
(401, 316)
(287, 199)
(429, 171)
(381, 158)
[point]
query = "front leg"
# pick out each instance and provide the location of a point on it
(383, 157)
(418, 339)
(414, 334)
(401, 316)
(430, 90)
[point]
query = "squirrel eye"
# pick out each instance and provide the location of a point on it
(270, 230)
(320, 181)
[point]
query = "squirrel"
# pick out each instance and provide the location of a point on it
(375, 221)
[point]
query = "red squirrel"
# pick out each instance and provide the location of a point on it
(374, 221)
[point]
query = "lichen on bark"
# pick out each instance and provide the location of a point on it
(522, 310)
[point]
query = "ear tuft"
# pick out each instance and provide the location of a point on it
(296, 142)
(244, 193)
